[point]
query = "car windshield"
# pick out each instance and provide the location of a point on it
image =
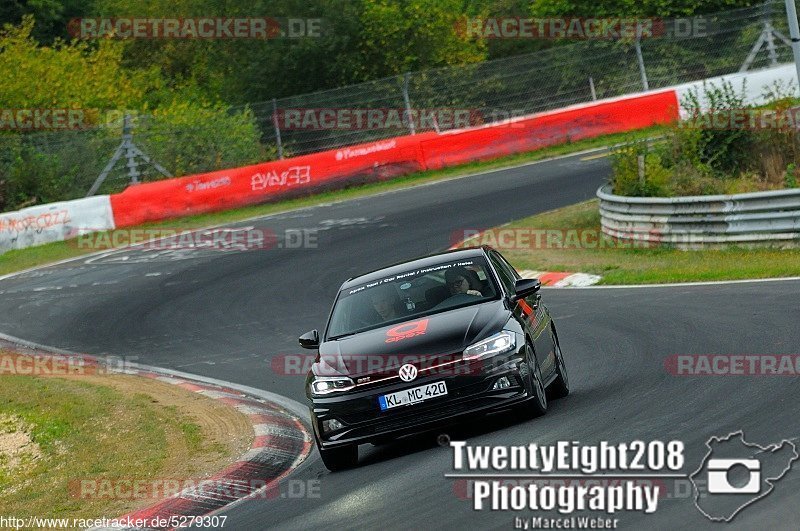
(411, 294)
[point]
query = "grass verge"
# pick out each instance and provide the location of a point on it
(58, 431)
(18, 260)
(639, 266)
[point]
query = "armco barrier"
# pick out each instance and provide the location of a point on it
(759, 218)
(54, 222)
(385, 159)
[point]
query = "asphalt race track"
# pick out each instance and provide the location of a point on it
(228, 315)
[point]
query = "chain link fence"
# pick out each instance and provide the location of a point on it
(49, 166)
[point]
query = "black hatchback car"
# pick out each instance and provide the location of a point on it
(418, 344)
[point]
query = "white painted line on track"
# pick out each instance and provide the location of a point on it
(687, 284)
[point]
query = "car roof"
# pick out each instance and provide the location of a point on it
(419, 263)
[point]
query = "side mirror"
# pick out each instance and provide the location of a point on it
(525, 287)
(309, 339)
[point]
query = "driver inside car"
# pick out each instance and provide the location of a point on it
(386, 302)
(457, 280)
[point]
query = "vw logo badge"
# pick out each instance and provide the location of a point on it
(407, 372)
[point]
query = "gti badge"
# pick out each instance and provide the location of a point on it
(407, 372)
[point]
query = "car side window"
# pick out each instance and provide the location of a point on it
(509, 267)
(506, 278)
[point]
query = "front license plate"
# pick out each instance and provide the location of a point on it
(412, 396)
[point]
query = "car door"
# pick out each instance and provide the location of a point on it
(533, 313)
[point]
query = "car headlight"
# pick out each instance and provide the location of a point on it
(324, 385)
(496, 344)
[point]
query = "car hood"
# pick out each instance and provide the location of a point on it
(418, 341)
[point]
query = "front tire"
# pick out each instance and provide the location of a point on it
(340, 458)
(536, 406)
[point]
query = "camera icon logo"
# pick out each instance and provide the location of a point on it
(720, 479)
(735, 474)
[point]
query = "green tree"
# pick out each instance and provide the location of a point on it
(68, 75)
(396, 37)
(363, 40)
(51, 16)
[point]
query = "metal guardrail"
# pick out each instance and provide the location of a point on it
(759, 218)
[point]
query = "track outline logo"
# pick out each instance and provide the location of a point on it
(770, 481)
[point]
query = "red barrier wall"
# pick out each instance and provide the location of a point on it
(384, 159)
(551, 128)
(235, 187)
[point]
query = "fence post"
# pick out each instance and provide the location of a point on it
(130, 149)
(276, 124)
(640, 161)
(407, 101)
(591, 88)
(794, 34)
(773, 54)
(640, 58)
(436, 125)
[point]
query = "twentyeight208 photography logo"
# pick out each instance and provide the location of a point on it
(572, 478)
(738, 473)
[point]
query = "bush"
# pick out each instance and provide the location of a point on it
(721, 148)
(627, 179)
(790, 178)
(75, 75)
(45, 167)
